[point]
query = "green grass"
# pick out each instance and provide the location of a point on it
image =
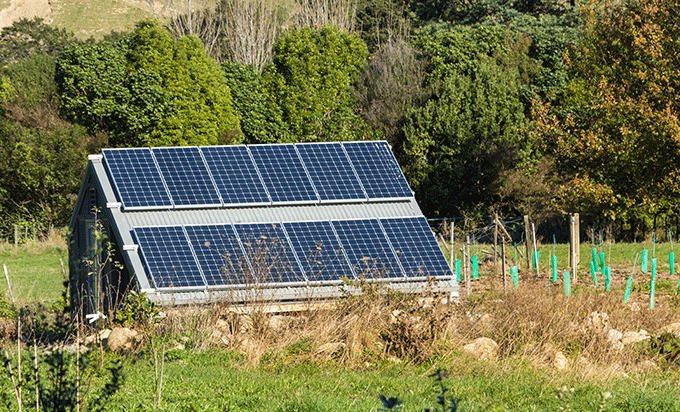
(34, 272)
(219, 381)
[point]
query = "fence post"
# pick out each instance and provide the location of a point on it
(453, 259)
(495, 239)
(503, 261)
(467, 265)
(527, 236)
(16, 235)
(575, 243)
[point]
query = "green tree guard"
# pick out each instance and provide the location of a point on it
(671, 262)
(652, 288)
(594, 261)
(458, 270)
(602, 264)
(514, 276)
(554, 268)
(475, 272)
(629, 285)
(608, 279)
(567, 283)
(643, 263)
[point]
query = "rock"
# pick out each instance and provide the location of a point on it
(485, 323)
(122, 339)
(245, 324)
(278, 323)
(598, 321)
(629, 338)
(559, 361)
(482, 348)
(614, 337)
(673, 328)
(648, 366)
(331, 348)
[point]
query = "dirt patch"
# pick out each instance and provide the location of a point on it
(25, 9)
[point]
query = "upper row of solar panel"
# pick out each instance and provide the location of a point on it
(249, 253)
(213, 176)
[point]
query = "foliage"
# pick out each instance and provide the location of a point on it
(40, 172)
(617, 125)
(26, 38)
(137, 310)
(391, 84)
(260, 117)
(311, 78)
(147, 89)
(473, 127)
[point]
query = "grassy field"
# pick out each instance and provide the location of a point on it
(287, 371)
(34, 271)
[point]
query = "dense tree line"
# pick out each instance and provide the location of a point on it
(540, 107)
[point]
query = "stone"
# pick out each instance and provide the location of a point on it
(598, 321)
(559, 361)
(482, 348)
(673, 328)
(278, 323)
(629, 338)
(122, 339)
(614, 338)
(331, 348)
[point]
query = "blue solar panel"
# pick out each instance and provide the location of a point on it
(168, 257)
(136, 178)
(235, 175)
(378, 170)
(186, 175)
(283, 174)
(331, 171)
(219, 254)
(318, 250)
(367, 248)
(271, 256)
(416, 246)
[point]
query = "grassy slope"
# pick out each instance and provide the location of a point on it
(95, 18)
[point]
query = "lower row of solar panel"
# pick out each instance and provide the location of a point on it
(274, 253)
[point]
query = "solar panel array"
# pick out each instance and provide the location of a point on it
(273, 253)
(228, 176)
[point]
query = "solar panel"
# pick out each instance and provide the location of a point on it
(378, 170)
(168, 257)
(283, 174)
(136, 178)
(416, 246)
(331, 171)
(186, 176)
(235, 175)
(318, 250)
(367, 248)
(271, 256)
(219, 254)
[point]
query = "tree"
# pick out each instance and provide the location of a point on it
(260, 117)
(473, 128)
(25, 38)
(391, 84)
(148, 89)
(616, 135)
(311, 80)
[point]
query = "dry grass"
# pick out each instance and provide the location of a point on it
(386, 326)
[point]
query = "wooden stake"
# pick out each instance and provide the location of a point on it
(9, 285)
(528, 240)
(503, 263)
(495, 239)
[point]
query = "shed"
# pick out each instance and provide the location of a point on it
(278, 223)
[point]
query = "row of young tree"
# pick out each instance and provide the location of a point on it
(520, 107)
